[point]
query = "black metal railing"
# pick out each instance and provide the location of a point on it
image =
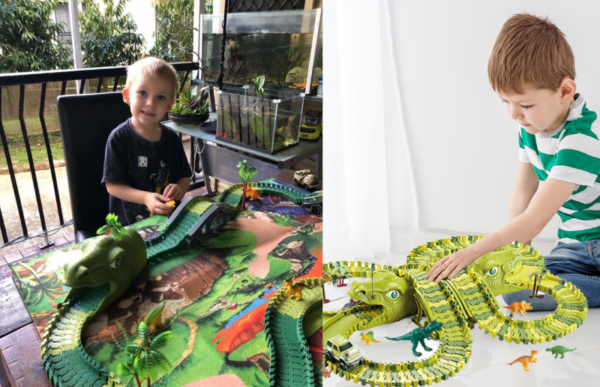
(84, 76)
(264, 5)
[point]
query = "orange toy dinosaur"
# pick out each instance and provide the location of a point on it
(293, 290)
(525, 360)
(253, 194)
(521, 307)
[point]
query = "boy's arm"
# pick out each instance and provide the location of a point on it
(526, 184)
(154, 201)
(545, 203)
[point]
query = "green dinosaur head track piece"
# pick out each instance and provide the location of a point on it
(498, 268)
(392, 292)
(104, 260)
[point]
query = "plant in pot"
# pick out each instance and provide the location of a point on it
(190, 109)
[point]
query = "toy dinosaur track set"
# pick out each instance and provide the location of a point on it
(396, 292)
(107, 267)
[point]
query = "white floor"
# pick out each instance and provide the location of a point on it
(488, 365)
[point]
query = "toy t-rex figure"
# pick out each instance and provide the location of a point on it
(368, 338)
(525, 360)
(419, 335)
(559, 350)
(521, 307)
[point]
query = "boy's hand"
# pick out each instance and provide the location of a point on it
(156, 204)
(173, 191)
(447, 268)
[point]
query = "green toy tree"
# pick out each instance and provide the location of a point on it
(144, 355)
(247, 172)
(112, 227)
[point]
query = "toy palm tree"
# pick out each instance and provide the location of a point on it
(326, 279)
(144, 355)
(112, 227)
(247, 172)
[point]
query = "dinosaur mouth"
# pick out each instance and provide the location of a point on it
(520, 274)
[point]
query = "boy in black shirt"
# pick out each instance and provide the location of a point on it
(145, 165)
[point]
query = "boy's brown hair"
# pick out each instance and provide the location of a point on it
(530, 51)
(155, 67)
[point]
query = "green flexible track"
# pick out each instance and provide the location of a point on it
(65, 360)
(459, 304)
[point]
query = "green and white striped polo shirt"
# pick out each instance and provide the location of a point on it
(570, 153)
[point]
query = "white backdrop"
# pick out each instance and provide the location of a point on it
(462, 143)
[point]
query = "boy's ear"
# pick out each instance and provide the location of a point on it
(171, 103)
(126, 96)
(567, 89)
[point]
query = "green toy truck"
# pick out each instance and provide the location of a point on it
(340, 349)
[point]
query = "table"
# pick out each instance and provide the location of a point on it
(219, 158)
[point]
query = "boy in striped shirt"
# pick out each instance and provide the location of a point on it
(532, 69)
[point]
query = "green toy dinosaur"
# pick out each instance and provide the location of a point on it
(419, 335)
(559, 350)
(392, 293)
(368, 338)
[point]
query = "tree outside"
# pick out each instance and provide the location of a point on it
(29, 37)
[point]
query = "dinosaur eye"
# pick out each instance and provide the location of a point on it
(393, 294)
(116, 263)
(493, 271)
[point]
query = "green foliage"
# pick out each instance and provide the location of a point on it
(109, 38)
(186, 103)
(144, 357)
(259, 85)
(29, 37)
(246, 170)
(174, 36)
(112, 227)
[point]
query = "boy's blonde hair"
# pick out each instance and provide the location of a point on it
(530, 51)
(155, 67)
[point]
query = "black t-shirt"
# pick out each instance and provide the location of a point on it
(141, 164)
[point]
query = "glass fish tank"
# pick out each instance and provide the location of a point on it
(284, 46)
(269, 123)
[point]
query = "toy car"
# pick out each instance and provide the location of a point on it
(312, 125)
(340, 349)
(305, 179)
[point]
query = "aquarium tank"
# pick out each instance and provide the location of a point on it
(285, 46)
(269, 123)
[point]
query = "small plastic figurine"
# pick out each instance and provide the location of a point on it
(368, 338)
(419, 335)
(521, 307)
(293, 290)
(171, 203)
(253, 194)
(559, 350)
(525, 360)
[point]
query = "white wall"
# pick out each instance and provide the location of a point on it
(143, 14)
(463, 143)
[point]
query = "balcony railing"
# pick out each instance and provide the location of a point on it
(105, 79)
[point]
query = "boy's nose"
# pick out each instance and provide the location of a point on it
(514, 112)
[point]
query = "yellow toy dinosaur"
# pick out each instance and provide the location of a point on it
(521, 307)
(368, 338)
(525, 360)
(293, 290)
(253, 194)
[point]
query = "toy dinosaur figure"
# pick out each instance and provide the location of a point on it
(525, 360)
(559, 350)
(392, 293)
(293, 290)
(419, 335)
(368, 338)
(253, 194)
(521, 307)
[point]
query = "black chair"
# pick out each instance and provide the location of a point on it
(85, 124)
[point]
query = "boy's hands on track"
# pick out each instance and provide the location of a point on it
(448, 267)
(156, 204)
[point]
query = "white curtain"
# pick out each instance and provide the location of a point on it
(368, 180)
